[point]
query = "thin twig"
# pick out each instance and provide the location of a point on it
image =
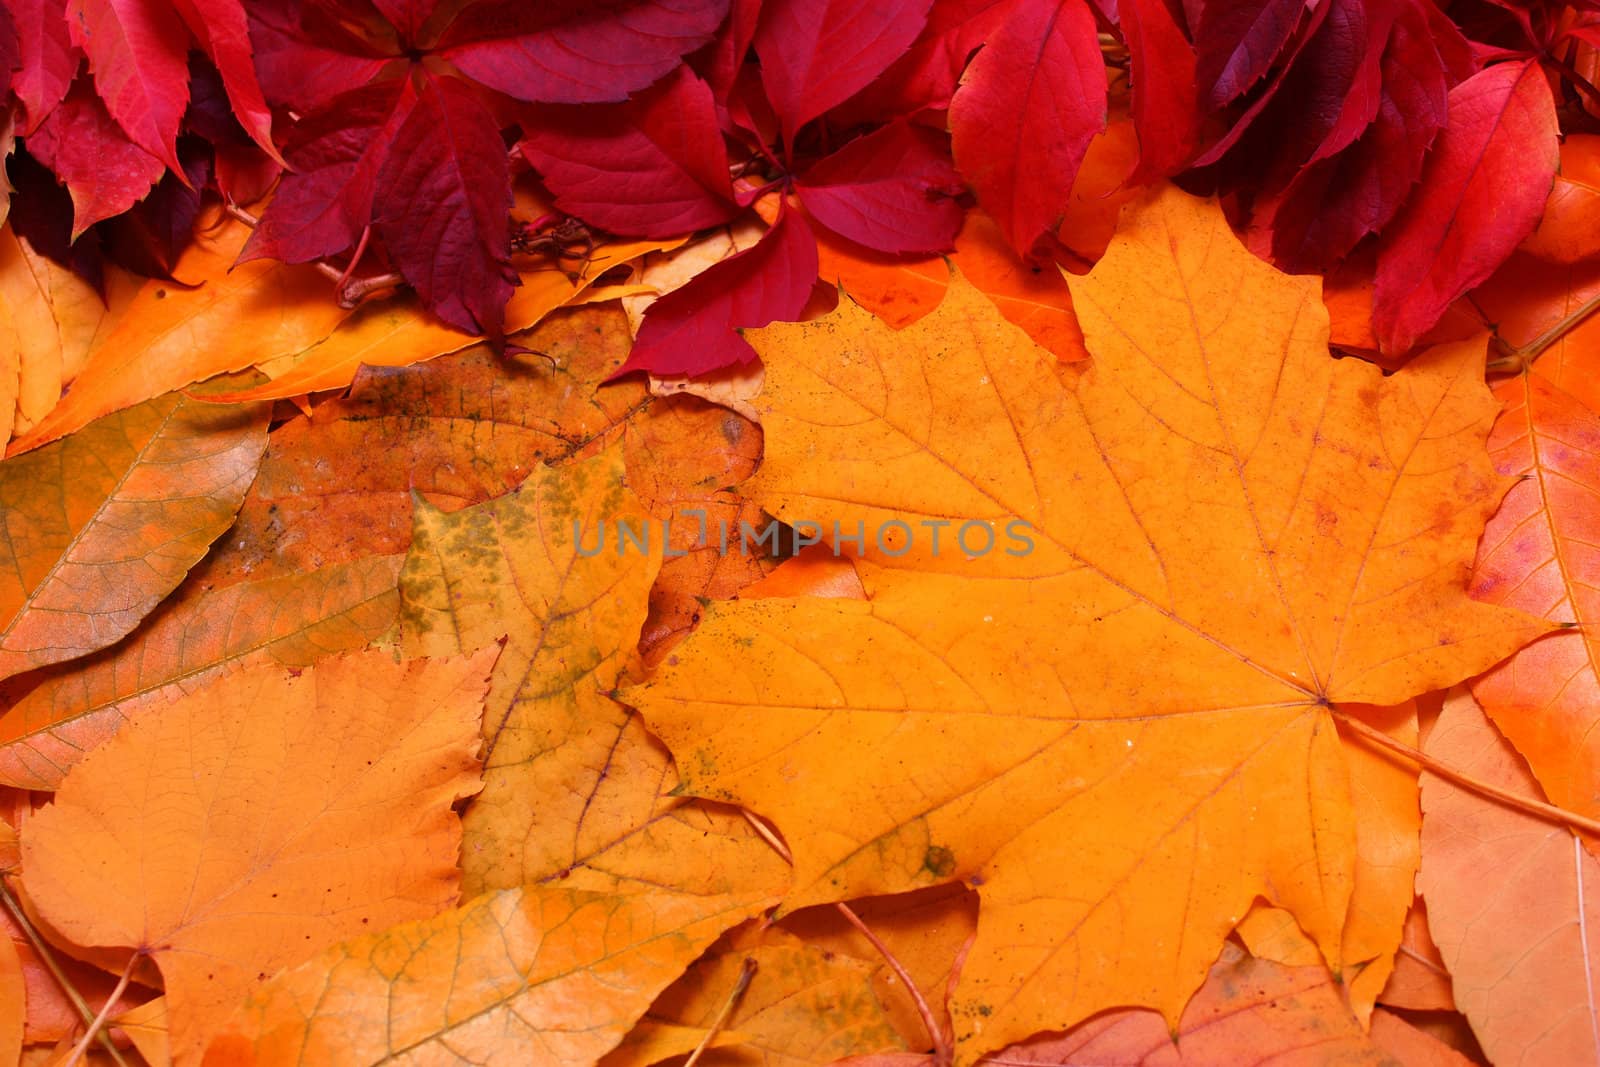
(96, 1028)
(936, 1033)
(349, 291)
(1537, 808)
(47, 957)
(747, 972)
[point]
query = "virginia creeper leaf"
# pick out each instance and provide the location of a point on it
(304, 57)
(893, 190)
(1027, 107)
(1236, 42)
(100, 527)
(926, 76)
(49, 58)
(655, 166)
(1165, 96)
(104, 171)
(1255, 526)
(531, 975)
(223, 30)
(577, 51)
(1482, 190)
(1522, 946)
(248, 825)
(691, 330)
(139, 55)
(443, 207)
(818, 53)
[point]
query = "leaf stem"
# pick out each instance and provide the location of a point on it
(1518, 359)
(942, 1052)
(736, 994)
(47, 957)
(1537, 808)
(350, 291)
(96, 1028)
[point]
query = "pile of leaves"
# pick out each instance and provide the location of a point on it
(793, 532)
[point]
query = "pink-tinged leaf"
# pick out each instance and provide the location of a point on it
(1513, 902)
(816, 54)
(1025, 113)
(1330, 205)
(223, 31)
(443, 207)
(49, 58)
(691, 329)
(653, 167)
(721, 63)
(926, 76)
(139, 56)
(304, 59)
(104, 171)
(1166, 103)
(322, 205)
(893, 190)
(407, 16)
(577, 51)
(1237, 42)
(1482, 191)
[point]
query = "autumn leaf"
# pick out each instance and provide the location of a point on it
(544, 975)
(100, 527)
(1520, 946)
(1255, 526)
(247, 826)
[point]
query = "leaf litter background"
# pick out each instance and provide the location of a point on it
(322, 742)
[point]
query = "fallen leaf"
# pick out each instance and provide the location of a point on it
(893, 190)
(1185, 542)
(170, 337)
(1420, 981)
(138, 54)
(1520, 946)
(248, 825)
(101, 526)
(1025, 113)
(56, 716)
(1410, 1046)
(105, 172)
(13, 1002)
(1569, 229)
(530, 975)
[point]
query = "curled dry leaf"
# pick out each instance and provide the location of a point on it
(101, 526)
(1259, 527)
(531, 975)
(248, 825)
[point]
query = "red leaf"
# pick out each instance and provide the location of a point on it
(691, 329)
(1482, 190)
(223, 31)
(1334, 202)
(444, 204)
(721, 63)
(104, 171)
(303, 58)
(323, 204)
(49, 58)
(1237, 41)
(892, 190)
(654, 167)
(1025, 113)
(139, 56)
(406, 16)
(577, 51)
(1166, 105)
(816, 54)
(926, 76)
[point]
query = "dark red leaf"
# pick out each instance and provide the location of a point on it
(147, 238)
(224, 34)
(926, 76)
(1165, 105)
(892, 190)
(323, 204)
(139, 56)
(443, 207)
(49, 58)
(105, 172)
(1483, 189)
(10, 50)
(816, 54)
(655, 166)
(720, 63)
(1025, 113)
(577, 51)
(691, 330)
(1333, 202)
(407, 16)
(304, 58)
(1237, 42)
(41, 213)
